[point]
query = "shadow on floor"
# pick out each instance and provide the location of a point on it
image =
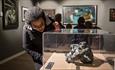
(23, 62)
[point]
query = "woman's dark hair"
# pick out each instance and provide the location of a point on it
(58, 17)
(69, 26)
(81, 20)
(88, 24)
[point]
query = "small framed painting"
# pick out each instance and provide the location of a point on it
(112, 14)
(24, 10)
(49, 12)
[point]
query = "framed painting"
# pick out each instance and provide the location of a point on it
(10, 14)
(50, 12)
(112, 14)
(71, 14)
(24, 10)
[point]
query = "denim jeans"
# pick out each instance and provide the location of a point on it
(37, 66)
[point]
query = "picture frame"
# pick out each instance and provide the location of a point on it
(72, 13)
(112, 14)
(50, 12)
(10, 14)
(24, 10)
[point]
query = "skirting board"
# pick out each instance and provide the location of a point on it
(11, 57)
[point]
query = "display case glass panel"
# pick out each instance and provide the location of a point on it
(78, 49)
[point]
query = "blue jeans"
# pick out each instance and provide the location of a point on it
(37, 66)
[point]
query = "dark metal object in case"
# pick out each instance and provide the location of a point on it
(80, 51)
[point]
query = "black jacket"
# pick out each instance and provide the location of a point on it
(32, 43)
(33, 40)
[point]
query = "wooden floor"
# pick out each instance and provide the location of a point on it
(24, 62)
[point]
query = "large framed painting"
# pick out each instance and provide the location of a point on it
(10, 14)
(71, 14)
(112, 14)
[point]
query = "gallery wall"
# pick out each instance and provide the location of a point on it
(11, 40)
(102, 11)
(107, 24)
(102, 15)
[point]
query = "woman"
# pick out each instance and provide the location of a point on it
(32, 34)
(57, 23)
(81, 24)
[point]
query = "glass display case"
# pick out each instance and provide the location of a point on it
(78, 49)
